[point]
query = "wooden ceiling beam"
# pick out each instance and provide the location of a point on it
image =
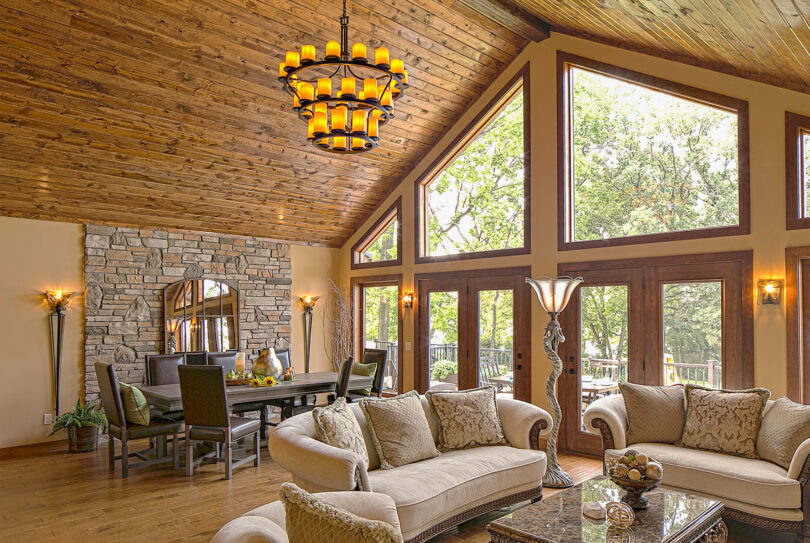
(512, 17)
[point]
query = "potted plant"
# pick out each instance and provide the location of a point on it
(445, 371)
(82, 425)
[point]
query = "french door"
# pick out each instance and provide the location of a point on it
(472, 328)
(685, 319)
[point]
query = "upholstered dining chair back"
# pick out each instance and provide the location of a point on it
(342, 384)
(378, 357)
(110, 394)
(202, 390)
(196, 358)
(284, 356)
(161, 369)
(225, 359)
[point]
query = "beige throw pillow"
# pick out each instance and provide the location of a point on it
(467, 418)
(655, 414)
(310, 520)
(784, 427)
(725, 421)
(337, 426)
(399, 429)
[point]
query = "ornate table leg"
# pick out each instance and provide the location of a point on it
(716, 534)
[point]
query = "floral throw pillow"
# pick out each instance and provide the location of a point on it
(467, 418)
(337, 426)
(725, 421)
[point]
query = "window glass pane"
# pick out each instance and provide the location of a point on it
(476, 203)
(693, 333)
(384, 247)
(805, 158)
(495, 333)
(604, 336)
(647, 162)
(381, 327)
(443, 349)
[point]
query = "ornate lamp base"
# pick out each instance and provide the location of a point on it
(555, 477)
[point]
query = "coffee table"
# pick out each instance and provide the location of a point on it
(673, 517)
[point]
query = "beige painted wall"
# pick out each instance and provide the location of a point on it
(768, 237)
(312, 267)
(36, 255)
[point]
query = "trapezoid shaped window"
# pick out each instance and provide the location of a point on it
(382, 244)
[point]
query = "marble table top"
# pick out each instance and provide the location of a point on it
(673, 517)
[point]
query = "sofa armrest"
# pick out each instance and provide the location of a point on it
(250, 530)
(608, 417)
(523, 423)
(308, 459)
(799, 462)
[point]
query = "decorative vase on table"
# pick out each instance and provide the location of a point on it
(268, 364)
(554, 295)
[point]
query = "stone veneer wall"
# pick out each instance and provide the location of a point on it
(126, 270)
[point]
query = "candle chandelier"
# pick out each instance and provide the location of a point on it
(347, 120)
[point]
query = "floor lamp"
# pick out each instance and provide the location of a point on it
(57, 301)
(554, 295)
(308, 303)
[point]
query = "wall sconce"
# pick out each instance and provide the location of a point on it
(769, 291)
(171, 342)
(308, 303)
(58, 301)
(407, 300)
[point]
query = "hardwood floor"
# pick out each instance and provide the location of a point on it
(51, 495)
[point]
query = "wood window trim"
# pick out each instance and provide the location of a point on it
(798, 380)
(456, 147)
(358, 283)
(564, 159)
(393, 213)
(795, 127)
(421, 379)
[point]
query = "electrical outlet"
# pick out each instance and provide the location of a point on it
(47, 419)
(407, 345)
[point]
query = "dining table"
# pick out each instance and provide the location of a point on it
(167, 398)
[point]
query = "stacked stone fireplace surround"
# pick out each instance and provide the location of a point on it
(126, 270)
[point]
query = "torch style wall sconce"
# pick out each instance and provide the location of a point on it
(308, 303)
(57, 301)
(407, 300)
(769, 291)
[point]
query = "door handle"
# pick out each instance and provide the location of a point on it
(519, 367)
(572, 371)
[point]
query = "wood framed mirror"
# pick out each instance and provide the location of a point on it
(200, 315)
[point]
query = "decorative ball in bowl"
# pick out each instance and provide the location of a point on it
(636, 473)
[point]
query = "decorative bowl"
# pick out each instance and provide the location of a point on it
(634, 490)
(635, 473)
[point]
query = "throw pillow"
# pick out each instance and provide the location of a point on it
(655, 414)
(366, 370)
(467, 418)
(337, 426)
(310, 520)
(136, 408)
(725, 421)
(399, 429)
(784, 427)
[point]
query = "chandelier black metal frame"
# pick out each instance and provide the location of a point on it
(348, 120)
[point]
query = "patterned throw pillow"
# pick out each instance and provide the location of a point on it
(467, 418)
(337, 426)
(654, 414)
(725, 421)
(784, 427)
(399, 429)
(366, 370)
(310, 520)
(136, 408)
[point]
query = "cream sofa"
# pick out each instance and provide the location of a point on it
(433, 495)
(266, 524)
(756, 492)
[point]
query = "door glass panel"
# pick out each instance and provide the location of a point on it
(693, 333)
(604, 337)
(495, 339)
(443, 334)
(381, 328)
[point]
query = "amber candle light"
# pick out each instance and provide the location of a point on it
(308, 52)
(332, 49)
(339, 118)
(358, 51)
(347, 86)
(381, 55)
(324, 87)
(369, 89)
(292, 60)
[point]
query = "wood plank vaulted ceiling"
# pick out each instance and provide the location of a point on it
(167, 113)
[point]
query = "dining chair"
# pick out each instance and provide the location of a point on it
(195, 358)
(227, 360)
(372, 356)
(205, 404)
(342, 383)
(161, 369)
(119, 428)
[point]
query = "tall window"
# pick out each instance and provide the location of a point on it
(797, 154)
(472, 202)
(382, 244)
(647, 159)
(378, 321)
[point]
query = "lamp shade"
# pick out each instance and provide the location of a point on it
(554, 293)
